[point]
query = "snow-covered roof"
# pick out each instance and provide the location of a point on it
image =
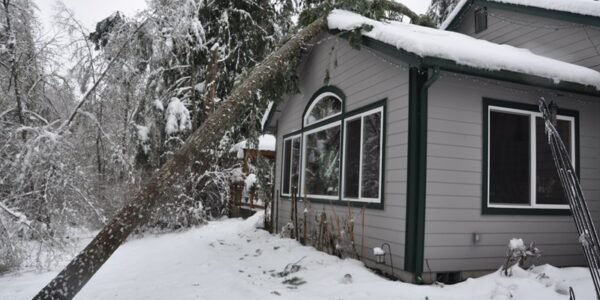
(581, 7)
(464, 50)
(266, 142)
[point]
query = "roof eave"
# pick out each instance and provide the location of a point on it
(513, 77)
(447, 65)
(531, 10)
(503, 75)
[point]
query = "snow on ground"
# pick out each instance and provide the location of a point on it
(231, 259)
(464, 50)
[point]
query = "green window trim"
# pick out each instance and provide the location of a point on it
(486, 209)
(291, 138)
(339, 119)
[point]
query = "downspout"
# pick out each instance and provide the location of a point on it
(420, 82)
(422, 169)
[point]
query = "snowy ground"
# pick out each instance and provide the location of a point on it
(231, 259)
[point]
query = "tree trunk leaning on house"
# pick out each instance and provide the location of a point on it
(79, 271)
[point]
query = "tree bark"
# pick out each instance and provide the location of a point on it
(14, 69)
(196, 149)
(211, 81)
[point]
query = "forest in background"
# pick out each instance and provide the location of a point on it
(88, 115)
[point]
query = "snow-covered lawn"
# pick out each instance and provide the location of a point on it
(231, 259)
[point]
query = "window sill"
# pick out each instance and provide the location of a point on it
(526, 211)
(336, 202)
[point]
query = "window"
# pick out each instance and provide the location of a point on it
(520, 169)
(481, 19)
(325, 106)
(337, 156)
(362, 156)
(322, 162)
(290, 171)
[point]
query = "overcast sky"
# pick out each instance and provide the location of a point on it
(92, 11)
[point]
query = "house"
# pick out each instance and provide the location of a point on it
(437, 134)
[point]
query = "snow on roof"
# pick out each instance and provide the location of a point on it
(464, 50)
(266, 142)
(265, 117)
(582, 7)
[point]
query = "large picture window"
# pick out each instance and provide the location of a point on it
(520, 168)
(322, 162)
(337, 156)
(362, 156)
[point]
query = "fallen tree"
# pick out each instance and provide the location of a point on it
(266, 77)
(195, 151)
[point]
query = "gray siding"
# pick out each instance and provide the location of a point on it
(364, 78)
(573, 43)
(454, 177)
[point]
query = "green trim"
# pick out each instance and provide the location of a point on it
(485, 210)
(530, 10)
(510, 76)
(414, 60)
(325, 89)
(270, 117)
(341, 118)
(417, 168)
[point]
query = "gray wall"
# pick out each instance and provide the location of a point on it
(453, 204)
(570, 42)
(364, 78)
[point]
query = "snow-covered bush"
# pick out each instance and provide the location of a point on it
(520, 254)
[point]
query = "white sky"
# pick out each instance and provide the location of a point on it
(89, 11)
(92, 11)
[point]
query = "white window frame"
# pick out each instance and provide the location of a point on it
(343, 162)
(292, 138)
(315, 102)
(303, 163)
(533, 158)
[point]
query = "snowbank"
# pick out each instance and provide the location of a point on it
(582, 7)
(464, 50)
(231, 259)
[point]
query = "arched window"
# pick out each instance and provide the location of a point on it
(336, 155)
(325, 106)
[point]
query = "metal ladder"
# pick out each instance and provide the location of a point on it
(572, 188)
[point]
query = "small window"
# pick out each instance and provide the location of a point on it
(321, 170)
(362, 156)
(481, 19)
(521, 169)
(325, 106)
(290, 171)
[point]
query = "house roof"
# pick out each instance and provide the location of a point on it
(446, 48)
(455, 52)
(577, 11)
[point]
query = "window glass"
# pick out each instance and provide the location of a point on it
(548, 187)
(481, 20)
(321, 173)
(371, 152)
(352, 163)
(509, 164)
(295, 164)
(285, 171)
(323, 108)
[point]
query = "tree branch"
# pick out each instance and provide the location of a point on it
(101, 77)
